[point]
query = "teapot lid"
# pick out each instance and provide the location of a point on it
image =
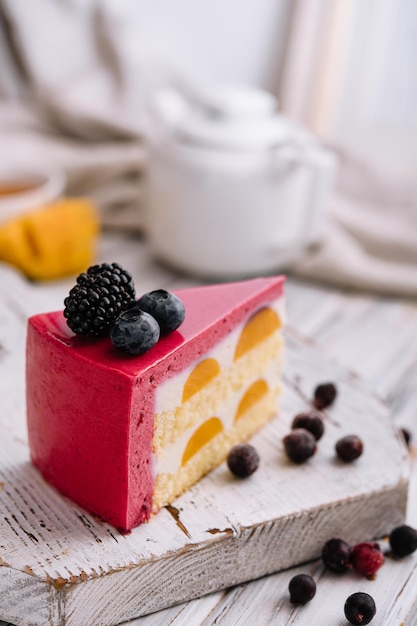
(231, 117)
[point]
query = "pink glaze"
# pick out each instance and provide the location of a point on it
(90, 408)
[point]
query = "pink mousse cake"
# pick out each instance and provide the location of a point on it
(122, 435)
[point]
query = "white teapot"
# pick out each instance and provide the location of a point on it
(234, 188)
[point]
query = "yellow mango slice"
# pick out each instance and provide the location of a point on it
(254, 393)
(201, 375)
(202, 435)
(54, 241)
(259, 327)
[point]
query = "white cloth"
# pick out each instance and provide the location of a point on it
(370, 241)
(75, 79)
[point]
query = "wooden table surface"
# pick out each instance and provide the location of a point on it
(376, 337)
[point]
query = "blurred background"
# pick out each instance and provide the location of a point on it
(78, 81)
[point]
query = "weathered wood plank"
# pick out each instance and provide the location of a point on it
(348, 327)
(230, 531)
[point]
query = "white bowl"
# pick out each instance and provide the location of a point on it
(23, 188)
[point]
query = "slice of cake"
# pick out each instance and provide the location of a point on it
(122, 435)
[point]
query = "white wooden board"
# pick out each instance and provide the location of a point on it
(61, 566)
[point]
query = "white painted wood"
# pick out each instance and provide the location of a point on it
(69, 542)
(75, 570)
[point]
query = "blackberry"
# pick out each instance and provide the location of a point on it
(302, 589)
(100, 295)
(360, 608)
(243, 460)
(311, 422)
(403, 540)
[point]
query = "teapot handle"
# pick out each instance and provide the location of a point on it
(321, 166)
(324, 165)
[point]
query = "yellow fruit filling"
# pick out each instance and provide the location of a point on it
(220, 401)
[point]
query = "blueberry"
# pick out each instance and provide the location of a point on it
(311, 422)
(403, 540)
(360, 608)
(336, 555)
(299, 445)
(165, 307)
(349, 448)
(243, 460)
(302, 589)
(135, 331)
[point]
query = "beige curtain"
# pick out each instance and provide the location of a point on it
(331, 57)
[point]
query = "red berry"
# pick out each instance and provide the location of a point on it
(367, 558)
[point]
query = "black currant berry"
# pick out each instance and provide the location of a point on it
(302, 589)
(299, 445)
(311, 422)
(324, 395)
(406, 434)
(349, 448)
(360, 608)
(336, 555)
(243, 460)
(403, 540)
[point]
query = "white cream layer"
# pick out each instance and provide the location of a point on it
(168, 460)
(169, 394)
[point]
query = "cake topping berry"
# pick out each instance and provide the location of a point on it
(360, 608)
(302, 589)
(367, 558)
(336, 555)
(134, 331)
(243, 460)
(311, 422)
(100, 295)
(324, 395)
(403, 540)
(349, 448)
(299, 445)
(165, 307)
